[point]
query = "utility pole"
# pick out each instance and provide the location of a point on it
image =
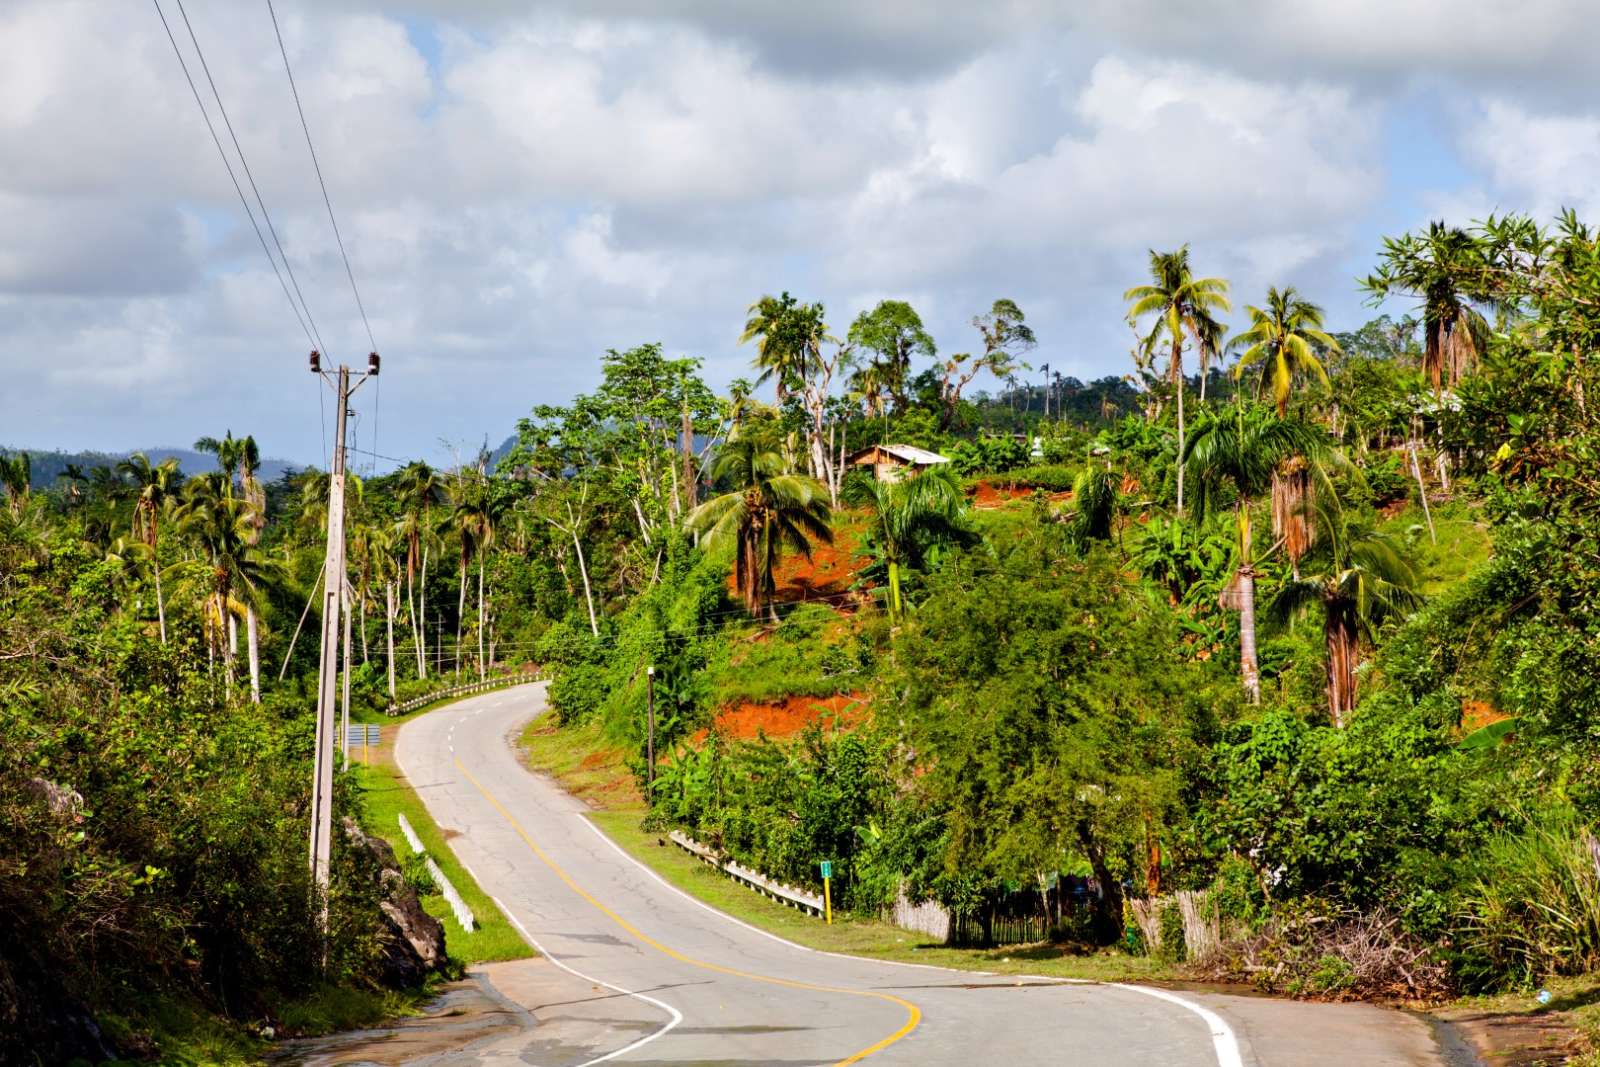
(650, 738)
(328, 665)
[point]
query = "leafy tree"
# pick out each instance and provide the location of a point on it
(1184, 308)
(1006, 335)
(894, 334)
(16, 474)
(417, 490)
(766, 512)
(1241, 450)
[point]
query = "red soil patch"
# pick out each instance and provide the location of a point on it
(748, 720)
(827, 576)
(992, 496)
(1476, 714)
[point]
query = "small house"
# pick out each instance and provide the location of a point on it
(890, 463)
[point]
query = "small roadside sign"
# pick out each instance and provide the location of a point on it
(827, 891)
(827, 869)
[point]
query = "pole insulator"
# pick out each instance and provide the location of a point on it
(316, 362)
(373, 363)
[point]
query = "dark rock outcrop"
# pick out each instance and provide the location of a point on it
(413, 945)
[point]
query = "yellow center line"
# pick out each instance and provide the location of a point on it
(913, 1013)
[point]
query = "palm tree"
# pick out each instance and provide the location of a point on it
(1439, 268)
(153, 484)
(417, 490)
(1184, 308)
(789, 336)
(221, 524)
(767, 512)
(1096, 505)
(1282, 339)
(1243, 449)
(907, 515)
(16, 474)
(1361, 579)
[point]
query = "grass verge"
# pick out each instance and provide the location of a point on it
(387, 796)
(858, 937)
(1515, 1028)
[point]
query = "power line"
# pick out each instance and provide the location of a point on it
(204, 114)
(318, 168)
(245, 163)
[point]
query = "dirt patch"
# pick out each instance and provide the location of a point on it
(785, 719)
(826, 577)
(987, 496)
(1519, 1040)
(1476, 714)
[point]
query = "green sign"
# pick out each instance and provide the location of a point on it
(827, 869)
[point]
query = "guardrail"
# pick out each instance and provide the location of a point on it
(503, 682)
(783, 894)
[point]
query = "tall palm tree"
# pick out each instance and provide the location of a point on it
(767, 512)
(789, 337)
(153, 484)
(1282, 339)
(1242, 449)
(1445, 268)
(906, 516)
(221, 524)
(1360, 578)
(1184, 308)
(417, 489)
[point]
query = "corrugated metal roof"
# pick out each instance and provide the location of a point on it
(919, 457)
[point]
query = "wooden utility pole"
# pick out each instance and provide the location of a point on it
(333, 569)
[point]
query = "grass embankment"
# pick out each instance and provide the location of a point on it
(587, 765)
(387, 796)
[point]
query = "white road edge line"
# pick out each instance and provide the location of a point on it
(677, 1016)
(1223, 1040)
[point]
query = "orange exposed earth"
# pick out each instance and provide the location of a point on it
(991, 496)
(748, 720)
(827, 576)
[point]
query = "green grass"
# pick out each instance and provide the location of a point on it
(1463, 543)
(387, 796)
(586, 763)
(858, 937)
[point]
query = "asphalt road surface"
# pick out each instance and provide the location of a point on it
(636, 972)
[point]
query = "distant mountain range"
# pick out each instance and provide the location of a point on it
(48, 466)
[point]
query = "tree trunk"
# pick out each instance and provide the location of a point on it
(894, 591)
(688, 460)
(588, 594)
(1342, 638)
(461, 609)
(361, 605)
(233, 632)
(483, 667)
(422, 599)
(1177, 380)
(388, 619)
(253, 641)
(1249, 670)
(161, 607)
(416, 630)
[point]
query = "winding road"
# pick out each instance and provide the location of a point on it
(636, 972)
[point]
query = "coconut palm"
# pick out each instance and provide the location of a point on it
(153, 484)
(767, 512)
(789, 336)
(1242, 449)
(1184, 308)
(1359, 577)
(1282, 340)
(220, 524)
(908, 516)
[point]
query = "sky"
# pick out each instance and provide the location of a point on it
(521, 186)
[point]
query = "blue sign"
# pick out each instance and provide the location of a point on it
(827, 869)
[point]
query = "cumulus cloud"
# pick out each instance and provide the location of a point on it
(522, 187)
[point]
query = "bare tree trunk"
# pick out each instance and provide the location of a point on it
(1422, 490)
(361, 604)
(583, 569)
(1177, 379)
(233, 632)
(688, 460)
(253, 642)
(461, 609)
(1249, 667)
(1342, 638)
(416, 629)
(483, 667)
(422, 599)
(161, 607)
(388, 619)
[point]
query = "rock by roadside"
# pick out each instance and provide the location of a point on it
(414, 947)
